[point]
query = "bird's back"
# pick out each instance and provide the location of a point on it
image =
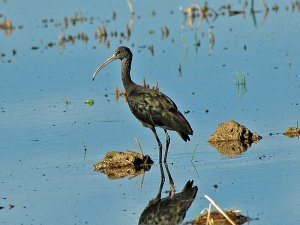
(154, 108)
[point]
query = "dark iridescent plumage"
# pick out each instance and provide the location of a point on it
(152, 108)
(170, 210)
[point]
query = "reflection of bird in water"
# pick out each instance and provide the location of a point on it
(172, 209)
(151, 107)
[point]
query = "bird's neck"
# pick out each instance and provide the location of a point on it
(126, 79)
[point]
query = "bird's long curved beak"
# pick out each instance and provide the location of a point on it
(110, 59)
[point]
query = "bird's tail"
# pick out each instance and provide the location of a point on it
(185, 128)
(185, 137)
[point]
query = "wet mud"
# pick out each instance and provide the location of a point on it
(118, 165)
(217, 218)
(233, 131)
(232, 138)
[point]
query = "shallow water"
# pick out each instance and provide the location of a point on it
(50, 139)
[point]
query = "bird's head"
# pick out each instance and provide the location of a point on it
(121, 53)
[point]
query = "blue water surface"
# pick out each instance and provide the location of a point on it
(50, 139)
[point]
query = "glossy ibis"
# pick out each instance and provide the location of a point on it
(152, 108)
(172, 209)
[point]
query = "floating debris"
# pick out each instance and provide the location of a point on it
(7, 26)
(66, 22)
(211, 39)
(179, 70)
(130, 6)
(275, 7)
(151, 49)
(82, 37)
(292, 132)
(240, 83)
(101, 35)
(128, 31)
(118, 165)
(63, 39)
(265, 5)
(89, 102)
(219, 217)
(114, 15)
(165, 32)
(77, 19)
(197, 43)
(195, 10)
(50, 44)
(236, 12)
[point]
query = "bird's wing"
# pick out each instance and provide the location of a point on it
(152, 107)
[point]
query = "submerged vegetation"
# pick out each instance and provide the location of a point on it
(89, 102)
(104, 35)
(240, 83)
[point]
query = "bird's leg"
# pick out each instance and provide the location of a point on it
(167, 145)
(162, 181)
(171, 182)
(159, 144)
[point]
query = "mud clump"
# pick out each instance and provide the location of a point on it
(233, 131)
(292, 132)
(219, 219)
(232, 138)
(231, 148)
(118, 165)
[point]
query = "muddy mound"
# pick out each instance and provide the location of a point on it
(219, 219)
(232, 138)
(230, 148)
(233, 131)
(118, 165)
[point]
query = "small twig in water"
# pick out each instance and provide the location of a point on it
(208, 215)
(139, 145)
(194, 153)
(130, 5)
(211, 39)
(195, 169)
(142, 181)
(85, 150)
(180, 70)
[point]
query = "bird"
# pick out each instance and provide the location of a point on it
(151, 107)
(170, 210)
